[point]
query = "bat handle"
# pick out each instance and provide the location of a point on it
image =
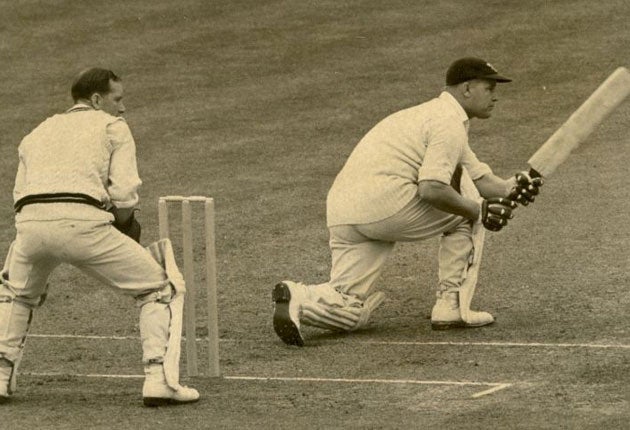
(534, 174)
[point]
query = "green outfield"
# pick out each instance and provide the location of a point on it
(257, 104)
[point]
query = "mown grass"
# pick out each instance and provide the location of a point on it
(258, 104)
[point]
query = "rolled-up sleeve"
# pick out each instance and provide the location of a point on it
(476, 169)
(20, 180)
(123, 181)
(443, 152)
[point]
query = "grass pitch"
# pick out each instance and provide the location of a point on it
(258, 104)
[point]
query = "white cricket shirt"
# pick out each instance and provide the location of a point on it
(80, 151)
(381, 175)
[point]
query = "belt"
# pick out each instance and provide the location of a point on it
(58, 198)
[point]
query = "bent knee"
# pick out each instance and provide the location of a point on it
(163, 295)
(30, 302)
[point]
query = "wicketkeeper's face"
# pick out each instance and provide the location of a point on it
(112, 102)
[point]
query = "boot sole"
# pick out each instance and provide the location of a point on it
(4, 399)
(284, 327)
(448, 325)
(153, 402)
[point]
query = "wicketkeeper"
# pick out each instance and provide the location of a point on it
(75, 193)
(412, 177)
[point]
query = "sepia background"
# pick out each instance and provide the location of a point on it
(258, 103)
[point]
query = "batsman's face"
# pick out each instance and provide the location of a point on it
(112, 101)
(481, 98)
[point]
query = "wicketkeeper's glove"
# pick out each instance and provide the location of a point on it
(496, 211)
(131, 227)
(525, 189)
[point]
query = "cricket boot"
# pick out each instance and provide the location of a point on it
(288, 297)
(156, 392)
(446, 314)
(6, 370)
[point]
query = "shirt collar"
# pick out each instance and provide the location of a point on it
(79, 107)
(456, 107)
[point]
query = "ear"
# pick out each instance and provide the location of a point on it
(466, 88)
(96, 100)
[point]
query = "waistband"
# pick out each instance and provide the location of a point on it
(58, 198)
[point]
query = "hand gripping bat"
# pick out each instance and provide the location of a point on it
(604, 100)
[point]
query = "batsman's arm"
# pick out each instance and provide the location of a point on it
(521, 188)
(493, 212)
(491, 185)
(445, 198)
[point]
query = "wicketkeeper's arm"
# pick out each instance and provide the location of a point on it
(126, 222)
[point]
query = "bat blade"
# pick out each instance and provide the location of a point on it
(601, 103)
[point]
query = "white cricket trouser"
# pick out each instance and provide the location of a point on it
(360, 251)
(95, 247)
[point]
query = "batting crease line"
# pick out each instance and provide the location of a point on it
(402, 343)
(509, 344)
(494, 386)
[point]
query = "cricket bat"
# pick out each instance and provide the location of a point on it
(604, 100)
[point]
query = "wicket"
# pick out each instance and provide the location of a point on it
(191, 289)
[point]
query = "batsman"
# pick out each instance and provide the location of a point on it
(412, 177)
(75, 195)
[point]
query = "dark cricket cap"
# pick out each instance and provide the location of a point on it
(468, 68)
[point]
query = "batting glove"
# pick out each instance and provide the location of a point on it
(525, 188)
(496, 211)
